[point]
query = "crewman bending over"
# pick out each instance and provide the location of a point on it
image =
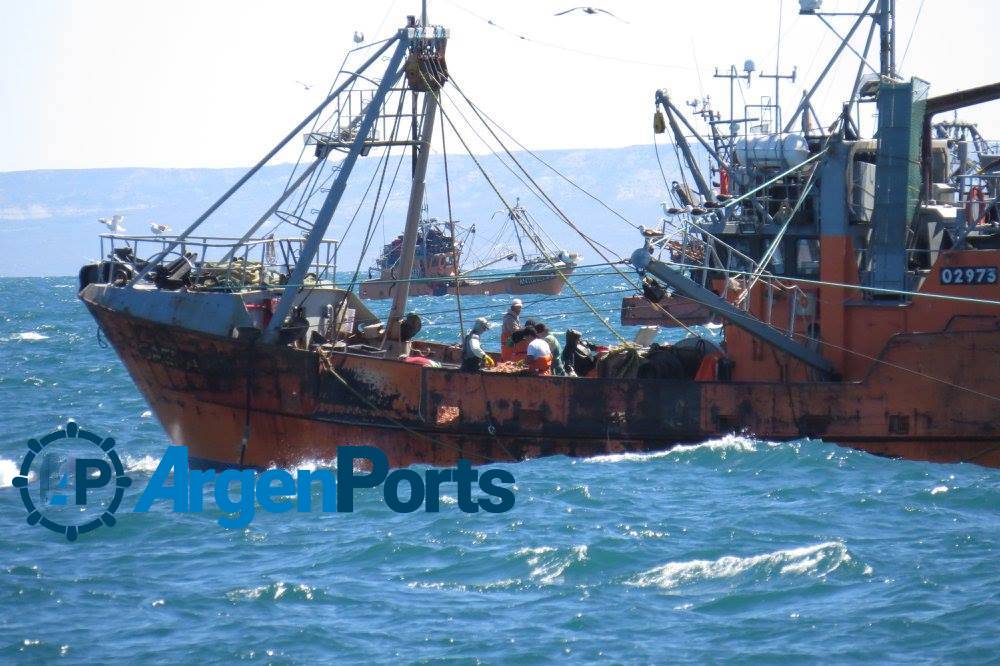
(539, 353)
(473, 356)
(511, 322)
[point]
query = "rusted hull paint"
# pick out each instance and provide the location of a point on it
(540, 282)
(197, 386)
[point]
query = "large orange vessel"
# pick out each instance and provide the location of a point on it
(870, 316)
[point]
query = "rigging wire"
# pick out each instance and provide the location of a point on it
(569, 49)
(571, 224)
(532, 187)
(913, 31)
(542, 161)
(511, 210)
(451, 223)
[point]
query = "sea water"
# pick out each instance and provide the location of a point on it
(732, 549)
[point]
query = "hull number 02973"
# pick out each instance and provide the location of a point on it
(969, 275)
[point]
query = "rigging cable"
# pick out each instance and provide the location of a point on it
(593, 244)
(454, 249)
(913, 31)
(627, 61)
(511, 210)
(556, 171)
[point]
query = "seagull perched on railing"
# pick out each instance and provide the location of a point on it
(114, 224)
(159, 229)
(591, 10)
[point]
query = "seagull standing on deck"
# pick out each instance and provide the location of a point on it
(591, 10)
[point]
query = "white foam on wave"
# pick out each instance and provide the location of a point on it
(937, 490)
(28, 336)
(816, 560)
(548, 564)
(736, 443)
(315, 464)
(8, 470)
(146, 463)
(273, 592)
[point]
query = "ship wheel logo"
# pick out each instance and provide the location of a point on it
(72, 481)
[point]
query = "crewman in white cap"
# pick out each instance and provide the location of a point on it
(473, 355)
(511, 322)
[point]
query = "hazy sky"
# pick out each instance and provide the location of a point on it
(192, 83)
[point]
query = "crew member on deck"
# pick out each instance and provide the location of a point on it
(473, 356)
(539, 353)
(511, 322)
(554, 347)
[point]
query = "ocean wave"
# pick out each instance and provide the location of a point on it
(548, 564)
(816, 560)
(276, 591)
(27, 336)
(8, 470)
(146, 463)
(735, 443)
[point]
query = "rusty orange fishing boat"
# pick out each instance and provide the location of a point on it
(855, 278)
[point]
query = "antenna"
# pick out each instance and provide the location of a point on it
(733, 75)
(777, 87)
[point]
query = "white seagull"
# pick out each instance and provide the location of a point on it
(114, 224)
(358, 36)
(159, 229)
(592, 11)
(307, 86)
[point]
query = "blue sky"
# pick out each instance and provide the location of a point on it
(103, 83)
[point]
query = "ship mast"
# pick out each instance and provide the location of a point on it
(426, 72)
(887, 34)
(408, 249)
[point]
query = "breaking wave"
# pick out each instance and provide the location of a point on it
(146, 463)
(8, 470)
(734, 443)
(548, 564)
(27, 336)
(817, 560)
(277, 591)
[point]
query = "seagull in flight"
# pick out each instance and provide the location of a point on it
(159, 229)
(114, 223)
(592, 11)
(304, 85)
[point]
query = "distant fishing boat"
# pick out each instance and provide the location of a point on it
(855, 278)
(437, 266)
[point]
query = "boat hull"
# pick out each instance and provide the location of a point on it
(544, 282)
(209, 391)
(639, 311)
